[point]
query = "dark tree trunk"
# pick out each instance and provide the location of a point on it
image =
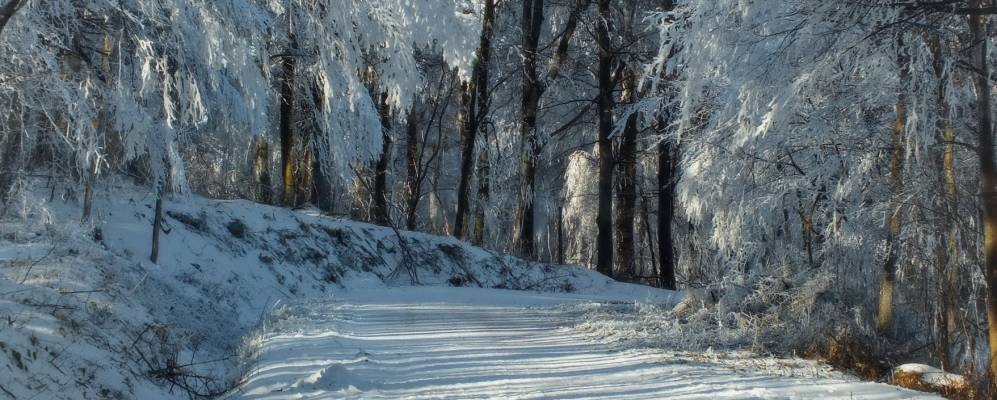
(484, 189)
(466, 119)
(379, 202)
(157, 226)
(531, 23)
(988, 177)
(948, 252)
(288, 62)
(604, 219)
(412, 189)
(666, 211)
(554, 68)
(474, 107)
(668, 170)
(8, 10)
(626, 192)
(261, 170)
(322, 189)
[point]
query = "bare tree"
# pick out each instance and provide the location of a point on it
(894, 214)
(988, 173)
(604, 219)
(532, 19)
(474, 105)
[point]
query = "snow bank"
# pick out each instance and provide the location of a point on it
(925, 377)
(86, 314)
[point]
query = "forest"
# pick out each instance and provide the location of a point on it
(816, 178)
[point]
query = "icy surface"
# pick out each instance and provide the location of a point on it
(485, 343)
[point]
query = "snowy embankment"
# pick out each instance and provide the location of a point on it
(461, 343)
(85, 314)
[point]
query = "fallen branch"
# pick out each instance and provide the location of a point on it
(26, 273)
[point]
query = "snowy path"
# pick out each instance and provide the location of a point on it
(461, 343)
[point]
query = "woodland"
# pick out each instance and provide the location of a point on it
(819, 175)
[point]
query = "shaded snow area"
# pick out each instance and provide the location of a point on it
(85, 314)
(482, 343)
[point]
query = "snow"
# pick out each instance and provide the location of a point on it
(933, 376)
(484, 343)
(80, 305)
(303, 305)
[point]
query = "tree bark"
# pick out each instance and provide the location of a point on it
(666, 211)
(626, 189)
(948, 251)
(667, 177)
(157, 226)
(466, 119)
(379, 202)
(894, 216)
(554, 68)
(604, 219)
(8, 10)
(484, 189)
(288, 62)
(988, 177)
(412, 165)
(261, 169)
(474, 104)
(532, 19)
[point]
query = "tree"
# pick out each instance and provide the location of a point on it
(531, 22)
(894, 214)
(8, 10)
(988, 173)
(604, 220)
(379, 202)
(288, 63)
(474, 107)
(626, 189)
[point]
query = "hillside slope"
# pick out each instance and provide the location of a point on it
(87, 315)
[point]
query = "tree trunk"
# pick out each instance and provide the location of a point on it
(157, 226)
(8, 10)
(604, 219)
(322, 186)
(474, 104)
(532, 19)
(666, 211)
(379, 202)
(626, 189)
(894, 216)
(645, 217)
(435, 207)
(948, 252)
(988, 177)
(554, 68)
(468, 132)
(288, 62)
(261, 169)
(484, 189)
(412, 189)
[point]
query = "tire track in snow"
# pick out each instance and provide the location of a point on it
(471, 344)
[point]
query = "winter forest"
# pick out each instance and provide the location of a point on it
(189, 187)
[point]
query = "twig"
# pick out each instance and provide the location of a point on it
(8, 392)
(81, 291)
(26, 273)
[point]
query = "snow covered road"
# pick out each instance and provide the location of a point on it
(480, 343)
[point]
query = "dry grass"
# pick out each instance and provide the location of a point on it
(952, 389)
(846, 353)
